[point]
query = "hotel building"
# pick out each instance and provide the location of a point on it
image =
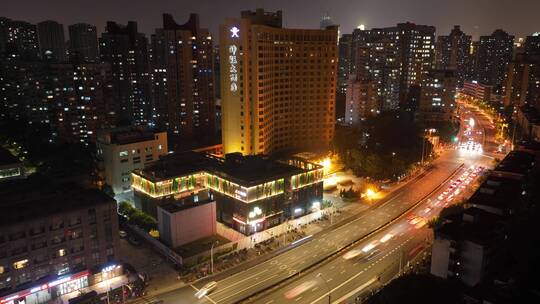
(278, 85)
(252, 193)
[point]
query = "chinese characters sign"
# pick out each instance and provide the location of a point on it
(233, 70)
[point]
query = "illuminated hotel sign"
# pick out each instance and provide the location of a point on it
(233, 61)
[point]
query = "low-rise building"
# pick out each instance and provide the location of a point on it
(477, 90)
(122, 150)
(54, 241)
(188, 219)
(10, 167)
(252, 193)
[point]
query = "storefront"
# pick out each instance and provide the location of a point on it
(63, 285)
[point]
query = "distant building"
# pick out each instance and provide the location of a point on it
(437, 96)
(126, 50)
(252, 193)
(326, 21)
(453, 53)
(122, 150)
(278, 85)
(522, 81)
(52, 44)
(187, 219)
(361, 101)
(476, 90)
(83, 43)
(10, 167)
(54, 241)
(19, 39)
(493, 55)
(183, 78)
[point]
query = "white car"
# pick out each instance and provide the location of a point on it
(206, 289)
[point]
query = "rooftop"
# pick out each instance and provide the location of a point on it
(498, 192)
(243, 170)
(482, 230)
(516, 162)
(126, 135)
(24, 200)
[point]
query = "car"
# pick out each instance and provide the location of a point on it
(122, 233)
(206, 289)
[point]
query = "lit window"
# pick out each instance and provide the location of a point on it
(61, 252)
(20, 264)
(123, 153)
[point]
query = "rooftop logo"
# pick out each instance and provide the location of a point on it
(234, 32)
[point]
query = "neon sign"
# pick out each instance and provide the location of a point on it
(234, 32)
(233, 71)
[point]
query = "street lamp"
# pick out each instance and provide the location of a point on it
(320, 275)
(212, 256)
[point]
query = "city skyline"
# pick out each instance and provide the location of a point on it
(479, 18)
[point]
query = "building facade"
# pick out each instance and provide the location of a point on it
(361, 101)
(476, 90)
(493, 55)
(453, 52)
(278, 85)
(183, 78)
(437, 95)
(18, 39)
(49, 252)
(252, 193)
(126, 50)
(51, 40)
(83, 43)
(122, 150)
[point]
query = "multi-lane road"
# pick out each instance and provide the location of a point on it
(386, 236)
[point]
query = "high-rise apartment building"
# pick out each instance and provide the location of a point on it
(19, 39)
(83, 42)
(278, 85)
(345, 64)
(183, 78)
(361, 101)
(396, 57)
(453, 52)
(437, 95)
(127, 51)
(493, 55)
(522, 80)
(51, 40)
(532, 44)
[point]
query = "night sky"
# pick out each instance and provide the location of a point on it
(477, 17)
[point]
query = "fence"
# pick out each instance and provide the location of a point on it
(240, 241)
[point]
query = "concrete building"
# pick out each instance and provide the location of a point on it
(126, 50)
(493, 55)
(18, 39)
(52, 44)
(476, 90)
(361, 101)
(187, 219)
(122, 150)
(463, 248)
(83, 43)
(453, 52)
(48, 252)
(522, 81)
(437, 96)
(278, 85)
(183, 78)
(10, 167)
(252, 193)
